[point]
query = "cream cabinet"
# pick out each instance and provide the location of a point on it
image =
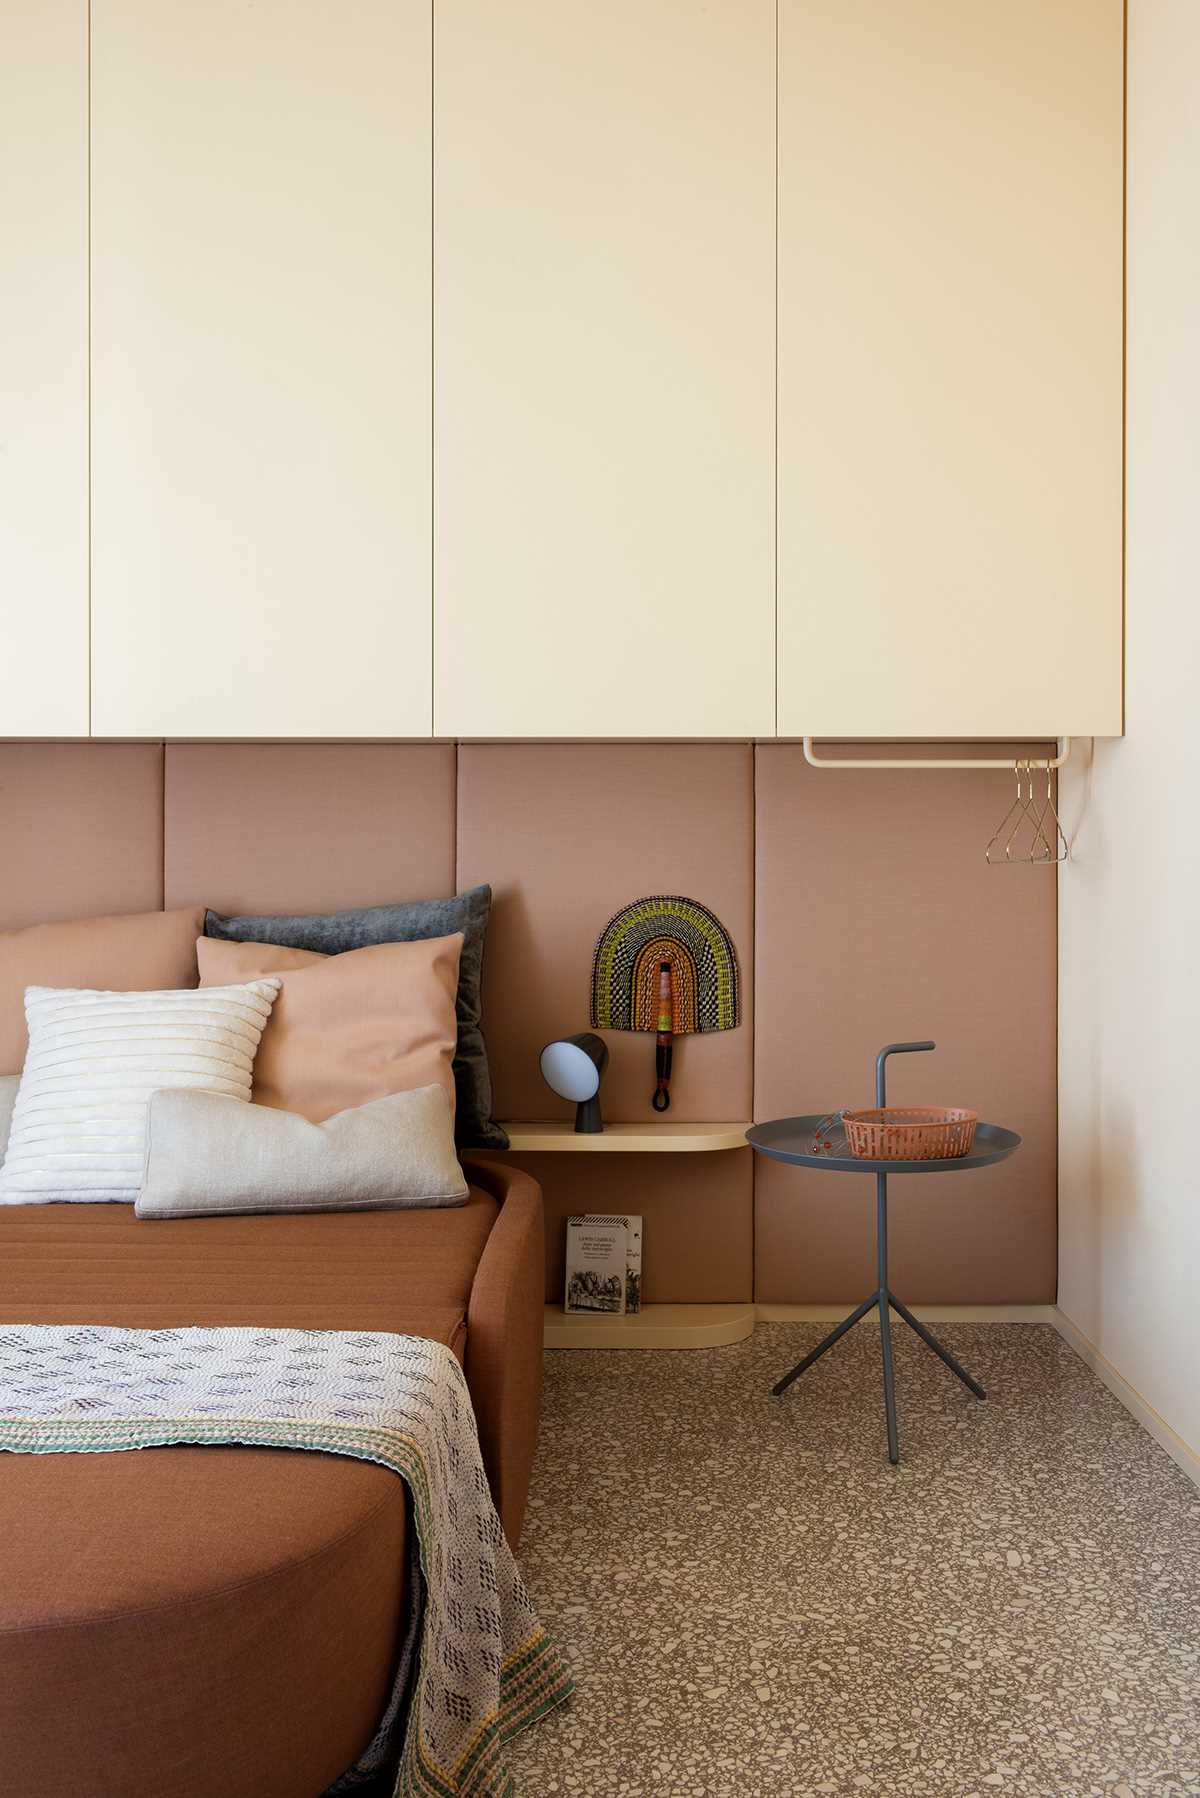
(43, 368)
(604, 345)
(261, 368)
(950, 367)
(558, 370)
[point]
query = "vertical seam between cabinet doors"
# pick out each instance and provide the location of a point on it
(91, 650)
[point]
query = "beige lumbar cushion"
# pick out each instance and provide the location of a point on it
(79, 1123)
(208, 1156)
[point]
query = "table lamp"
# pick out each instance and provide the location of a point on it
(571, 1067)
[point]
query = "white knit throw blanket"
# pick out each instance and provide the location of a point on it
(477, 1666)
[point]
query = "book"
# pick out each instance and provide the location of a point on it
(633, 1264)
(604, 1264)
(597, 1264)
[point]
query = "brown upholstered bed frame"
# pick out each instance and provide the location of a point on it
(503, 1359)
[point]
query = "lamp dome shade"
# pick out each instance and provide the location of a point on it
(572, 1066)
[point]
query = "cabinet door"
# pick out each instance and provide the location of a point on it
(604, 352)
(261, 367)
(950, 323)
(43, 369)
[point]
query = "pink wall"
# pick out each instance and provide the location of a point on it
(860, 904)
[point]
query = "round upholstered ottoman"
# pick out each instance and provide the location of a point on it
(194, 1622)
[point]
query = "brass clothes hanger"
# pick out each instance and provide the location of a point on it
(1030, 831)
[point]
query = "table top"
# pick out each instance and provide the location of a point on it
(790, 1140)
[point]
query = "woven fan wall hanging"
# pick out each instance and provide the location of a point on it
(664, 964)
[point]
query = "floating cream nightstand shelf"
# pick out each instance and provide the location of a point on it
(653, 1327)
(630, 1139)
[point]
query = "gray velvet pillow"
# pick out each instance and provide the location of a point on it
(332, 933)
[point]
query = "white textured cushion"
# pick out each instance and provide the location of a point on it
(79, 1124)
(206, 1156)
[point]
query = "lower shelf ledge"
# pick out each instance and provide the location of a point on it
(653, 1327)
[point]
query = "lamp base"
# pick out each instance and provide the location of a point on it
(588, 1121)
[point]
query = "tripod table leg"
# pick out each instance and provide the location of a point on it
(847, 1323)
(889, 1381)
(928, 1337)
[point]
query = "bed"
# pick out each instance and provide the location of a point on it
(188, 1622)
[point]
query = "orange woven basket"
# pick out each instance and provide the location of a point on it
(910, 1133)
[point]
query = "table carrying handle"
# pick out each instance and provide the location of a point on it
(881, 1069)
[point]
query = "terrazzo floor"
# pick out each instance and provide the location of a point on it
(756, 1605)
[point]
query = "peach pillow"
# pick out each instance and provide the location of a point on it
(143, 952)
(349, 1028)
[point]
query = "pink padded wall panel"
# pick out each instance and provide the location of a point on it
(569, 832)
(80, 830)
(307, 827)
(879, 920)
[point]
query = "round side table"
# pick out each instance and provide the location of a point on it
(791, 1140)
